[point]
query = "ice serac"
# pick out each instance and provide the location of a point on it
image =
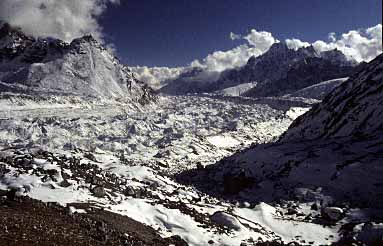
(83, 67)
(352, 109)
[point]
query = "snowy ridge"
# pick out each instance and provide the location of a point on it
(312, 153)
(318, 91)
(351, 109)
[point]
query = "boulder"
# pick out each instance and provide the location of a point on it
(99, 191)
(333, 213)
(226, 220)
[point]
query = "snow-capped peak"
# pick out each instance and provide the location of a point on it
(83, 67)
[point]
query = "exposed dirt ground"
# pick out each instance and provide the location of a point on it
(24, 221)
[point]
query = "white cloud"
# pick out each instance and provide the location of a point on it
(361, 45)
(155, 75)
(261, 41)
(257, 44)
(295, 44)
(63, 19)
(332, 36)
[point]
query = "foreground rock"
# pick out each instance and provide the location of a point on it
(24, 221)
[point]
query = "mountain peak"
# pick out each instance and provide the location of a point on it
(309, 51)
(280, 46)
(83, 67)
(338, 56)
(86, 38)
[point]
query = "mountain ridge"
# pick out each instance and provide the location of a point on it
(83, 67)
(355, 102)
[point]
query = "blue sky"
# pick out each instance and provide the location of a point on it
(176, 32)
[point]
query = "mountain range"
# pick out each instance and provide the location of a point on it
(279, 71)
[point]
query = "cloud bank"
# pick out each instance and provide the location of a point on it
(63, 19)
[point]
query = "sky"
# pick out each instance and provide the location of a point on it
(175, 32)
(159, 39)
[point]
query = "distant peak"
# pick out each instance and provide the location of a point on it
(89, 38)
(85, 39)
(310, 48)
(334, 54)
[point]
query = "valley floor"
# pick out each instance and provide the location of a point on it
(115, 159)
